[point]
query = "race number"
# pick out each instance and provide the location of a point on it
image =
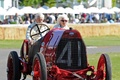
(67, 50)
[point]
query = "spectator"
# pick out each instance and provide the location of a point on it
(75, 21)
(27, 20)
(11, 20)
(48, 19)
(25, 16)
(118, 20)
(53, 18)
(18, 19)
(111, 20)
(1, 22)
(56, 16)
(105, 20)
(5, 21)
(82, 20)
(83, 15)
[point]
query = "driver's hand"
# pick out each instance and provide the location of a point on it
(31, 42)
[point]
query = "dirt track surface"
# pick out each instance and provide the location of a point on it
(4, 54)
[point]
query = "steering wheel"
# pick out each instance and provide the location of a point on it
(38, 31)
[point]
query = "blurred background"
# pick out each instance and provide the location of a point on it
(11, 7)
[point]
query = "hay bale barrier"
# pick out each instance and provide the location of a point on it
(18, 32)
(12, 32)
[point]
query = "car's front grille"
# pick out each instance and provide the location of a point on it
(70, 53)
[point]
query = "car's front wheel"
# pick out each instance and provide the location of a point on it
(104, 68)
(39, 70)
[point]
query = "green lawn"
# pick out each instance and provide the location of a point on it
(10, 43)
(114, 57)
(102, 41)
(89, 41)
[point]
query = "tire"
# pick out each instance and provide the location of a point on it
(104, 71)
(13, 66)
(39, 67)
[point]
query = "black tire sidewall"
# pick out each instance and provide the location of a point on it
(16, 65)
(108, 67)
(42, 65)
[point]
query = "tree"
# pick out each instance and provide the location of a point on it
(35, 3)
(78, 1)
(49, 3)
(113, 3)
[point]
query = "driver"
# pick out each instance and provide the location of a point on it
(39, 17)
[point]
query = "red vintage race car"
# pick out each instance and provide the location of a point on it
(59, 55)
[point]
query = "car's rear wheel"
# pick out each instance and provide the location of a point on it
(104, 68)
(13, 66)
(39, 70)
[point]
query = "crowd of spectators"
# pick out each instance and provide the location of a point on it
(74, 19)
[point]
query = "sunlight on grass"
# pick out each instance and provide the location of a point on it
(102, 41)
(10, 43)
(89, 41)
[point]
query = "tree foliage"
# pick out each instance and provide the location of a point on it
(113, 3)
(49, 3)
(37, 2)
(79, 1)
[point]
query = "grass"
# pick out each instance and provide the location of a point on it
(10, 43)
(102, 41)
(89, 41)
(114, 58)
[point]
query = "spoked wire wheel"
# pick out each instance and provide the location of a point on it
(39, 70)
(13, 66)
(104, 68)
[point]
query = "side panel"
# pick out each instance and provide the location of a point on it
(49, 44)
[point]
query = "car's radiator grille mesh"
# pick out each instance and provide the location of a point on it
(70, 54)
